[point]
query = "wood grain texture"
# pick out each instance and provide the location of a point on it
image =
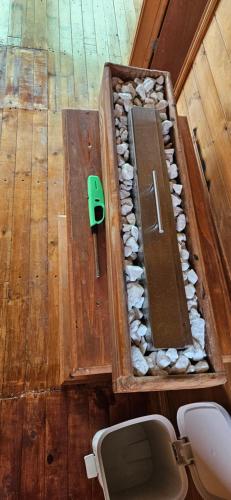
(168, 314)
(215, 276)
(147, 32)
(121, 359)
(30, 427)
(206, 92)
(199, 34)
(88, 295)
(180, 22)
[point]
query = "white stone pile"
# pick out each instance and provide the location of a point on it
(146, 360)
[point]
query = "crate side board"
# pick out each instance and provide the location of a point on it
(121, 359)
(168, 382)
(193, 242)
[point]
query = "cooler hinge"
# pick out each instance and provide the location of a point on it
(183, 451)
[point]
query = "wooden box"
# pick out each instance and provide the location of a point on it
(122, 371)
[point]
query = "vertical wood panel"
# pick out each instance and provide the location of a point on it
(180, 23)
(38, 313)
(10, 445)
(55, 207)
(56, 477)
(223, 17)
(18, 305)
(33, 449)
(220, 65)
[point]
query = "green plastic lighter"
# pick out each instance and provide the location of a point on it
(96, 208)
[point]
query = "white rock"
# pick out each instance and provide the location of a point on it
(189, 291)
(137, 102)
(166, 125)
(177, 188)
(124, 135)
(169, 154)
(126, 209)
(181, 365)
(125, 237)
(160, 80)
(162, 360)
(135, 232)
(181, 237)
(128, 88)
(131, 218)
(140, 302)
(126, 155)
(133, 331)
(118, 110)
(141, 91)
(123, 121)
(135, 293)
(163, 116)
(139, 362)
(121, 148)
(176, 201)
(180, 222)
(198, 330)
(184, 254)
(148, 84)
(163, 104)
(143, 345)
(191, 369)
(124, 194)
(127, 251)
(177, 211)
(151, 360)
(134, 272)
(131, 242)
(193, 314)
(172, 354)
(201, 367)
(126, 228)
(172, 171)
(195, 352)
(167, 139)
(127, 201)
(134, 326)
(192, 276)
(142, 330)
(138, 313)
(160, 95)
(121, 162)
(134, 256)
(125, 96)
(192, 303)
(184, 266)
(127, 171)
(150, 347)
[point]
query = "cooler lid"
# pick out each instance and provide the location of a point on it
(208, 428)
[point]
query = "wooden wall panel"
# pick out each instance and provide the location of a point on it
(179, 26)
(149, 25)
(206, 101)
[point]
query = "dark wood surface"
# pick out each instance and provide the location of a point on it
(177, 32)
(215, 275)
(44, 437)
(167, 306)
(88, 295)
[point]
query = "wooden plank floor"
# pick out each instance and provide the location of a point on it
(51, 57)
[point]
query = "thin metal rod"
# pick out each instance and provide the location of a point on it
(159, 218)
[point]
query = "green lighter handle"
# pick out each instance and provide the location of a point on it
(96, 205)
